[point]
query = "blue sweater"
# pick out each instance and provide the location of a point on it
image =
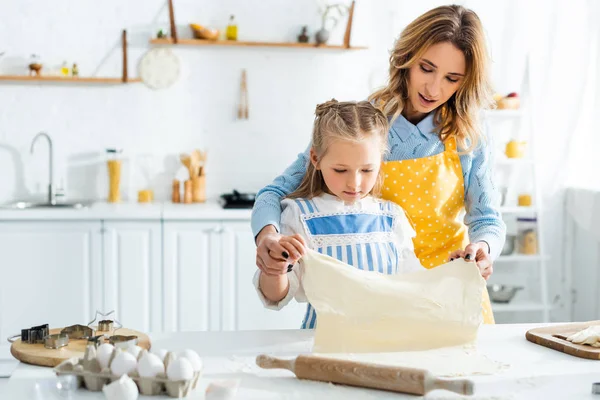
(408, 141)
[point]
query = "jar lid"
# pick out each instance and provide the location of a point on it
(527, 219)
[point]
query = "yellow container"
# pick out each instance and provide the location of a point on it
(145, 196)
(515, 149)
(525, 200)
(114, 175)
(231, 33)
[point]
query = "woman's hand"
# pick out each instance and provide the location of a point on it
(478, 252)
(275, 256)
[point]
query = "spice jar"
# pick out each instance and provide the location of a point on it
(527, 242)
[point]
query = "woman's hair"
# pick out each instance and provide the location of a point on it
(459, 115)
(350, 121)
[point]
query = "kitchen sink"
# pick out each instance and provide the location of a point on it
(24, 205)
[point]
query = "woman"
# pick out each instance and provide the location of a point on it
(439, 162)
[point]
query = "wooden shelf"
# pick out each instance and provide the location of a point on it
(67, 79)
(230, 43)
(81, 79)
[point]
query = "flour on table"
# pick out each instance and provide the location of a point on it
(444, 362)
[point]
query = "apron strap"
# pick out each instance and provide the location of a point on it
(450, 143)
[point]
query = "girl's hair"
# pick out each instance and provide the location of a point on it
(350, 121)
(461, 27)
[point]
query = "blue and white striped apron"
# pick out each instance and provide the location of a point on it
(361, 239)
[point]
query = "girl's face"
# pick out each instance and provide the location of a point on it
(434, 78)
(350, 169)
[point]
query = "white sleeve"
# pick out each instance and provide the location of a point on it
(405, 234)
(290, 225)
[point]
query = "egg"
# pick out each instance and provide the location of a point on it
(123, 363)
(161, 353)
(103, 354)
(123, 388)
(180, 369)
(150, 365)
(134, 350)
(193, 357)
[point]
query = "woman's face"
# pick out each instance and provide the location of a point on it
(434, 78)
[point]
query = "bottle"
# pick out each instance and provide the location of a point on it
(114, 175)
(75, 70)
(64, 69)
(176, 193)
(231, 31)
(188, 197)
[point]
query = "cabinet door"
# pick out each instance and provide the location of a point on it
(191, 286)
(50, 273)
(132, 273)
(242, 309)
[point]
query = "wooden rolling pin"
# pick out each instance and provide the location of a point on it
(395, 379)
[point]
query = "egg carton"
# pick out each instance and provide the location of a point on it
(91, 377)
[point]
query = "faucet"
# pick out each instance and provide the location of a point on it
(51, 197)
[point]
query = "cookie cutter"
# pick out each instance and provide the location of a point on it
(77, 332)
(122, 341)
(106, 321)
(596, 388)
(105, 325)
(56, 341)
(33, 335)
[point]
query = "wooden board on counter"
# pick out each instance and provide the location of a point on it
(554, 337)
(37, 354)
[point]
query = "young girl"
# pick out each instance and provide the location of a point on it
(334, 210)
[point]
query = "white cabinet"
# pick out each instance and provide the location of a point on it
(242, 309)
(133, 273)
(191, 259)
(208, 270)
(50, 273)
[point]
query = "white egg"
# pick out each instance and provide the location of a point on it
(123, 388)
(180, 369)
(161, 353)
(193, 357)
(134, 350)
(150, 365)
(103, 354)
(123, 363)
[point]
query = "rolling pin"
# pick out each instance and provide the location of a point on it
(394, 379)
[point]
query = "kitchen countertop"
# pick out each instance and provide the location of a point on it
(535, 372)
(211, 210)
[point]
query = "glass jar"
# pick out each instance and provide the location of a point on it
(527, 242)
(113, 161)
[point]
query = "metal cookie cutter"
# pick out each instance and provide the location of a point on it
(105, 325)
(56, 341)
(122, 341)
(76, 332)
(32, 335)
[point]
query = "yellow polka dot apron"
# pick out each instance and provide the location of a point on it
(431, 190)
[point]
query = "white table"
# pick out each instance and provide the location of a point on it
(536, 372)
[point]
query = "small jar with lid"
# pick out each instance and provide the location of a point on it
(527, 242)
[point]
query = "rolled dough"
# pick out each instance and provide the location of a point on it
(361, 311)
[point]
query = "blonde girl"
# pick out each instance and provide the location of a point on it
(334, 210)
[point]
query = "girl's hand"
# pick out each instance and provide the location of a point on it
(295, 247)
(272, 258)
(477, 252)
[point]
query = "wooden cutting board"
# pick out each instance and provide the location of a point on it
(555, 337)
(37, 354)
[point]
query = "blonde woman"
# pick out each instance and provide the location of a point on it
(439, 162)
(333, 210)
